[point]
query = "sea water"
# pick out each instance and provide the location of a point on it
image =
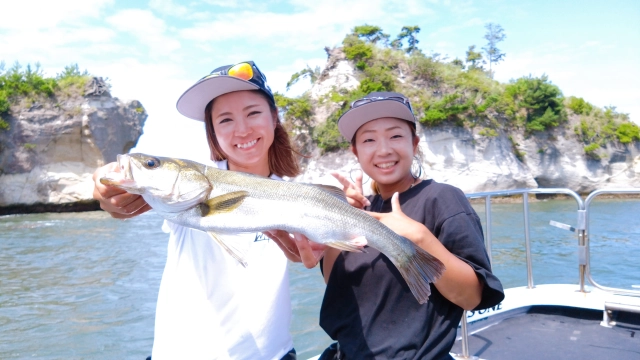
(84, 285)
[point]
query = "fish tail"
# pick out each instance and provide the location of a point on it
(421, 269)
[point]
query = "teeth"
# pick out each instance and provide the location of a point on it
(250, 143)
(386, 165)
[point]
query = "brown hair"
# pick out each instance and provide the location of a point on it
(282, 156)
(374, 184)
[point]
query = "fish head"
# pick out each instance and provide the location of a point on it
(166, 184)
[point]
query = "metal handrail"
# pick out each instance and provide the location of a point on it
(525, 196)
(587, 202)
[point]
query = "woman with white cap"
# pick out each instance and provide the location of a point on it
(209, 305)
(367, 306)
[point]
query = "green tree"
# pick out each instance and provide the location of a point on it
(494, 35)
(457, 62)
(312, 74)
(474, 58)
(71, 71)
(536, 101)
(409, 33)
(371, 33)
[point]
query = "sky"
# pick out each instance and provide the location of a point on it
(153, 50)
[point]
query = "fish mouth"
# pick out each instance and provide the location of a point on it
(123, 178)
(248, 144)
(124, 163)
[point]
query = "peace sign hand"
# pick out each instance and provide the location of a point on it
(353, 191)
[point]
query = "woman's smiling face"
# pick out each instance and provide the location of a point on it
(385, 148)
(244, 126)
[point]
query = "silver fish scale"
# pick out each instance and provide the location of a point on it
(303, 208)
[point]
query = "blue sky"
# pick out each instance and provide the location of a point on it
(153, 50)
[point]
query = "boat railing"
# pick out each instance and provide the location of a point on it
(525, 203)
(587, 203)
(581, 229)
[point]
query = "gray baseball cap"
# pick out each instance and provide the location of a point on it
(375, 105)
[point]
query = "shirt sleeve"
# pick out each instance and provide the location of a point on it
(462, 235)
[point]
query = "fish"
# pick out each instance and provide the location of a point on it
(224, 202)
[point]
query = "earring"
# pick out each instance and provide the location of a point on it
(416, 167)
(351, 173)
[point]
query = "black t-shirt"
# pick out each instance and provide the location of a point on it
(368, 307)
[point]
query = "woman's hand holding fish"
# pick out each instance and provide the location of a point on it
(459, 282)
(117, 202)
(353, 191)
(297, 247)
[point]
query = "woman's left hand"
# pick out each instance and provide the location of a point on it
(400, 223)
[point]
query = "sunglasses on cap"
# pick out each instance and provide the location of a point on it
(245, 71)
(367, 100)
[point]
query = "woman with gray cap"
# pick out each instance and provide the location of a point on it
(367, 306)
(209, 305)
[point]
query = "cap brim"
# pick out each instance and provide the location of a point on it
(351, 121)
(193, 102)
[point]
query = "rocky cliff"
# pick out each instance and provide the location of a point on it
(465, 157)
(53, 145)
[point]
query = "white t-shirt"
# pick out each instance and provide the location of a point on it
(211, 307)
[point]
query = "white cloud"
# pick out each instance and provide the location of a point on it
(312, 26)
(444, 32)
(168, 7)
(146, 27)
(37, 14)
(57, 47)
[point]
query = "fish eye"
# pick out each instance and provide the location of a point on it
(152, 163)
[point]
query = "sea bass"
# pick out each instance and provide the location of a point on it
(222, 202)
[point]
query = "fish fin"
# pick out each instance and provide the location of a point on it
(354, 245)
(332, 190)
(421, 269)
(225, 203)
(234, 251)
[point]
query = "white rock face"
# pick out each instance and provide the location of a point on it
(557, 159)
(470, 162)
(340, 76)
(52, 149)
(475, 163)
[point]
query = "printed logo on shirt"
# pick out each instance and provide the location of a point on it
(261, 237)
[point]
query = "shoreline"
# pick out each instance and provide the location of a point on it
(515, 199)
(93, 205)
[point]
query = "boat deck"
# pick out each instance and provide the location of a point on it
(558, 332)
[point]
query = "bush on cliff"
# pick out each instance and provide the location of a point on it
(71, 81)
(29, 83)
(628, 132)
(16, 81)
(534, 102)
(579, 106)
